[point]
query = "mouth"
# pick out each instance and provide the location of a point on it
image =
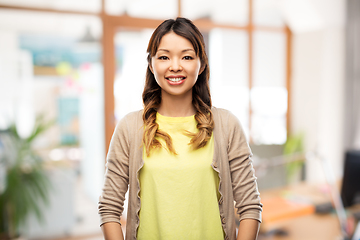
(175, 80)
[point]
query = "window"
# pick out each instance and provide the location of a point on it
(249, 55)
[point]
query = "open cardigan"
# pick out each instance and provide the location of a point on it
(232, 161)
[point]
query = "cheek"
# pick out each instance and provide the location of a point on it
(154, 70)
(158, 72)
(153, 67)
(196, 69)
(158, 69)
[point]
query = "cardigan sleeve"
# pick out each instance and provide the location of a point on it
(111, 201)
(244, 185)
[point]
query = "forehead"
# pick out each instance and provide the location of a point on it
(172, 41)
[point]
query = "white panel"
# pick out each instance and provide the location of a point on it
(197, 9)
(269, 59)
(156, 9)
(229, 72)
(269, 100)
(230, 12)
(74, 5)
(268, 129)
(294, 12)
(130, 75)
(269, 106)
(9, 77)
(50, 23)
(268, 13)
(115, 7)
(78, 5)
(91, 119)
(25, 112)
(31, 3)
(16, 85)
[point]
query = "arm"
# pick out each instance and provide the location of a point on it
(244, 185)
(112, 231)
(248, 229)
(116, 183)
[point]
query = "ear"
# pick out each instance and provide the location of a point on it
(202, 68)
(149, 60)
(150, 66)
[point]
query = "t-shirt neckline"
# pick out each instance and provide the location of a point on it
(174, 119)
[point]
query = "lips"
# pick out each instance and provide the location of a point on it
(175, 80)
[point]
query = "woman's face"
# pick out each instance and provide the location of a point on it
(175, 66)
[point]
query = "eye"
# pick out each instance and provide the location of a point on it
(188, 58)
(163, 58)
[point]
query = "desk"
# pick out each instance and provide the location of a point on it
(307, 227)
(310, 227)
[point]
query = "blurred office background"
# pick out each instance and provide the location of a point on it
(289, 69)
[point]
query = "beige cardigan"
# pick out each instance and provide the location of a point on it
(231, 161)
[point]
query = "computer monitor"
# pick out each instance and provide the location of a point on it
(350, 190)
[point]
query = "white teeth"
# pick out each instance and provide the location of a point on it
(176, 79)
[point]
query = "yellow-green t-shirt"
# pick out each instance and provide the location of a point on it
(179, 193)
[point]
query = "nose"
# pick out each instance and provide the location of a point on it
(175, 66)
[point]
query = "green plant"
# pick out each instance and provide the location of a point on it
(26, 182)
(294, 145)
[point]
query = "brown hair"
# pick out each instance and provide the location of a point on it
(200, 92)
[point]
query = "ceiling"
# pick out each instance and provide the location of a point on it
(299, 15)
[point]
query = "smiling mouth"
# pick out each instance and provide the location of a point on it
(176, 79)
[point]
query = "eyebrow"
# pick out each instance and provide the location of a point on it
(185, 50)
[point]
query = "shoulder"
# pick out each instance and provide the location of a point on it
(224, 116)
(227, 123)
(126, 129)
(131, 120)
(132, 117)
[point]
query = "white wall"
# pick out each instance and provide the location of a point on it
(318, 83)
(91, 132)
(9, 78)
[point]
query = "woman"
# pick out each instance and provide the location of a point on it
(185, 162)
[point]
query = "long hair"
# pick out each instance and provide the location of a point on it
(200, 91)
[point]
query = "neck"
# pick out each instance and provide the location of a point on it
(176, 106)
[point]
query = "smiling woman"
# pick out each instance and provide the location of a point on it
(184, 161)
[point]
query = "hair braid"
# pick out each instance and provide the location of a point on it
(151, 130)
(205, 123)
